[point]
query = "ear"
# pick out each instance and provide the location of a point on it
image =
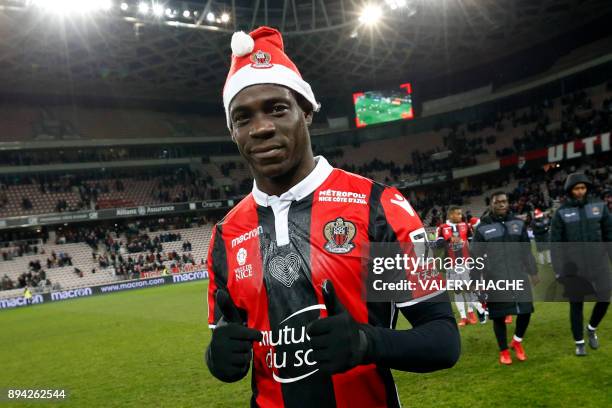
(308, 116)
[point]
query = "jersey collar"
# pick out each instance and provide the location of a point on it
(302, 189)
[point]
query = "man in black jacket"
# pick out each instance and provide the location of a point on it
(502, 240)
(582, 266)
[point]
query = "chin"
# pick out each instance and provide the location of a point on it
(272, 170)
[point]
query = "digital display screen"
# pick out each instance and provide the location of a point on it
(373, 107)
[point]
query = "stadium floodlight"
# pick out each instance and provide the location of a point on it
(210, 17)
(158, 10)
(124, 6)
(143, 8)
(170, 13)
(225, 18)
(186, 13)
(370, 14)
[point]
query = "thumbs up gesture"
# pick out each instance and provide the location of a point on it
(229, 354)
(338, 341)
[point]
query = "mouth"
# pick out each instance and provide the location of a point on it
(266, 152)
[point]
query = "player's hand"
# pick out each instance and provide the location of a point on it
(229, 353)
(338, 344)
(535, 279)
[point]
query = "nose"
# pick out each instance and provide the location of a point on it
(261, 127)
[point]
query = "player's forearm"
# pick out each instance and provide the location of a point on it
(430, 346)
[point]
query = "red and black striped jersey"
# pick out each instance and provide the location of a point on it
(272, 254)
(460, 232)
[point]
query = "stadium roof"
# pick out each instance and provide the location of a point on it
(125, 54)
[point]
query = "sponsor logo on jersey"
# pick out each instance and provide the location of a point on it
(289, 353)
(241, 256)
(336, 196)
(339, 235)
(515, 228)
(243, 271)
(595, 211)
(255, 232)
(402, 202)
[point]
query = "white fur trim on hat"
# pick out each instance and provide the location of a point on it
(277, 74)
(242, 44)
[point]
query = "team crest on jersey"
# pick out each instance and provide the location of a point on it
(261, 59)
(339, 235)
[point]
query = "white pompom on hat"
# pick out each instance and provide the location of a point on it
(259, 58)
(242, 44)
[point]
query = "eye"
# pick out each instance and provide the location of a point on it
(240, 119)
(279, 108)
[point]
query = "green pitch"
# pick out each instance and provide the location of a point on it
(145, 348)
(371, 111)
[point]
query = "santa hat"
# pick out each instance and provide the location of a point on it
(259, 58)
(538, 213)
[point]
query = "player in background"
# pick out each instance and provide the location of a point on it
(453, 236)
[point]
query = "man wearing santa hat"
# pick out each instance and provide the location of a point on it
(286, 290)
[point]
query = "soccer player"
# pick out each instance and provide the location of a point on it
(286, 283)
(582, 268)
(502, 238)
(453, 235)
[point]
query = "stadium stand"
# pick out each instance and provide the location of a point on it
(85, 268)
(68, 122)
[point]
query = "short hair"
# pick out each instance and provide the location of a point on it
(497, 194)
(453, 208)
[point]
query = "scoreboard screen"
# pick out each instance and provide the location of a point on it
(373, 107)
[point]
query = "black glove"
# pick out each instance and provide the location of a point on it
(229, 353)
(338, 342)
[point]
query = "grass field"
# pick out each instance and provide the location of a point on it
(145, 348)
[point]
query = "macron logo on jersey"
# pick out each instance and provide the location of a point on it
(402, 202)
(255, 232)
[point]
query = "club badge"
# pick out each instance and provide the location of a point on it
(261, 59)
(339, 234)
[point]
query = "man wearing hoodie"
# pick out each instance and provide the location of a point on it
(582, 267)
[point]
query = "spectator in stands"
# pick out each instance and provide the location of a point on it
(7, 283)
(26, 204)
